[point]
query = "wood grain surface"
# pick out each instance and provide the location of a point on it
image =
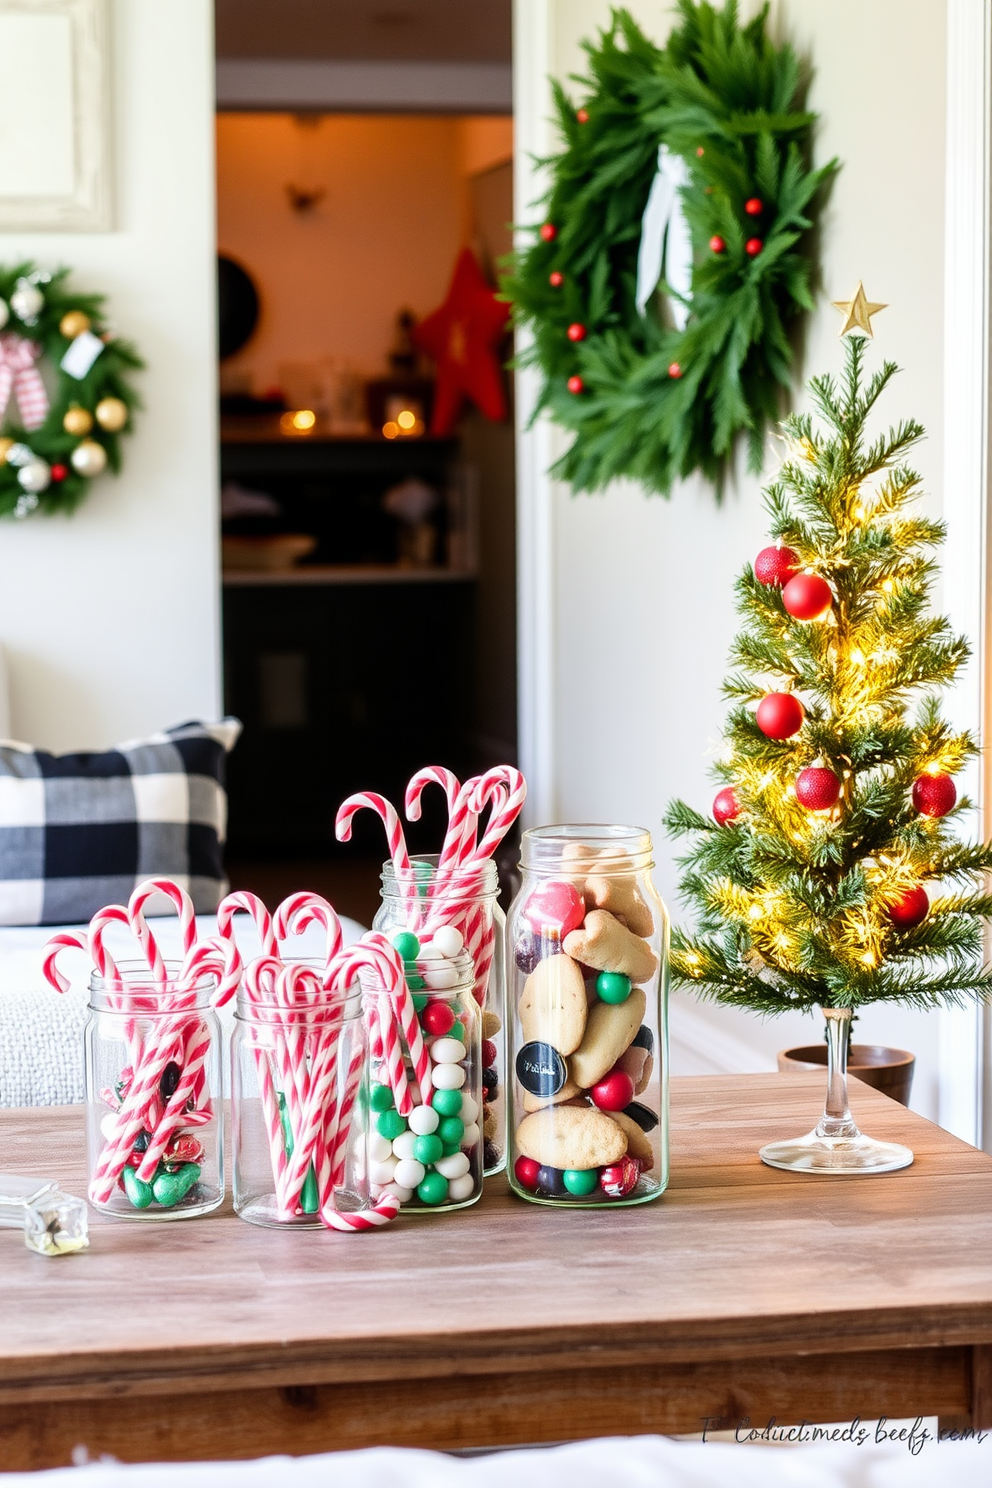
(743, 1291)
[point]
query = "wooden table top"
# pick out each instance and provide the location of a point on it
(736, 1259)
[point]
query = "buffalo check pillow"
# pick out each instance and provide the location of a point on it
(78, 831)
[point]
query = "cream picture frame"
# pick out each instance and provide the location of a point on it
(55, 139)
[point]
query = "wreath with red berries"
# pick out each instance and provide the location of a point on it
(658, 392)
(65, 400)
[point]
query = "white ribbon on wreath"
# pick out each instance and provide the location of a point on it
(665, 241)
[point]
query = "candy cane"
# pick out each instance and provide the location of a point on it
(340, 1132)
(394, 979)
(398, 852)
(187, 920)
(385, 1208)
(505, 788)
(220, 956)
(141, 1098)
(250, 904)
(66, 940)
(194, 1059)
(300, 910)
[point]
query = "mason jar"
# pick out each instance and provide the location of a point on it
(426, 1143)
(587, 953)
(154, 1097)
(299, 1106)
(467, 900)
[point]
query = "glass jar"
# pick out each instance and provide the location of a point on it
(299, 1107)
(587, 949)
(468, 900)
(429, 1153)
(154, 1098)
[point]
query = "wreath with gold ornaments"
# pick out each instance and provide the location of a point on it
(65, 400)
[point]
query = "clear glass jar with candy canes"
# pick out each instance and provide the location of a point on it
(587, 940)
(154, 1097)
(299, 1095)
(425, 1143)
(432, 918)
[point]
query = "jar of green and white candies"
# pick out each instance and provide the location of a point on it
(587, 940)
(430, 1154)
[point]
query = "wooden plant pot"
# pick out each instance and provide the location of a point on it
(887, 1070)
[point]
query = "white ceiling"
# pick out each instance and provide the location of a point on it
(383, 30)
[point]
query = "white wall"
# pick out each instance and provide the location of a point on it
(110, 618)
(639, 610)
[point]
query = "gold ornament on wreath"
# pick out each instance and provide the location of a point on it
(65, 397)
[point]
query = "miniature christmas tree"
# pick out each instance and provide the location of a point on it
(838, 801)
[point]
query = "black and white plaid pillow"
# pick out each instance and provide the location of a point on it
(78, 831)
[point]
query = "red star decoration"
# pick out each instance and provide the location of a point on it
(462, 336)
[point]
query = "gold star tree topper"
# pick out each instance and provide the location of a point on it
(858, 312)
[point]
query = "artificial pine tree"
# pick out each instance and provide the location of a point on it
(838, 802)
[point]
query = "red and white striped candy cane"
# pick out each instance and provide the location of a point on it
(300, 910)
(340, 1132)
(194, 1057)
(250, 904)
(310, 1144)
(506, 790)
(187, 920)
(381, 957)
(398, 851)
(220, 955)
(66, 940)
(385, 1208)
(139, 1106)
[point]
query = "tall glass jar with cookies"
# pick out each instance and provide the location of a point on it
(587, 954)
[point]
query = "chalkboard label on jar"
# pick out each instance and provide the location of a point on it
(540, 1069)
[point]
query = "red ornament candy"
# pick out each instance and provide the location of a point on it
(780, 715)
(620, 1179)
(437, 1019)
(582, 115)
(59, 472)
(725, 806)
(183, 1149)
(753, 247)
(548, 232)
(575, 385)
(754, 206)
(556, 278)
(717, 245)
(807, 596)
(775, 566)
(934, 795)
(525, 1170)
(910, 909)
(489, 1053)
(613, 1092)
(555, 908)
(817, 788)
(674, 370)
(576, 331)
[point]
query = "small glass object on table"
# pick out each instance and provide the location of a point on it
(54, 1223)
(836, 1144)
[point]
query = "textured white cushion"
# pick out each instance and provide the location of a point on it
(41, 1033)
(5, 724)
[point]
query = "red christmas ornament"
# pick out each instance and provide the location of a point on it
(490, 1053)
(555, 908)
(556, 279)
(753, 247)
(775, 566)
(463, 337)
(817, 788)
(934, 795)
(582, 115)
(576, 331)
(620, 1179)
(437, 1019)
(525, 1170)
(674, 370)
(725, 806)
(780, 715)
(59, 472)
(700, 152)
(548, 232)
(754, 206)
(614, 1091)
(910, 909)
(807, 596)
(576, 385)
(717, 245)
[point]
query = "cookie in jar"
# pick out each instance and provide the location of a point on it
(587, 962)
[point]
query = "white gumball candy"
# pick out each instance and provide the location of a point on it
(471, 1135)
(430, 952)
(440, 976)
(455, 1166)
(447, 1077)
(448, 940)
(382, 1172)
(399, 1192)
(461, 1188)
(403, 1145)
(423, 1121)
(380, 1147)
(409, 1173)
(448, 1051)
(108, 1126)
(469, 1111)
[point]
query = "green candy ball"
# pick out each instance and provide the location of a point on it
(581, 1181)
(415, 982)
(433, 1189)
(451, 1129)
(427, 1150)
(381, 1098)
(390, 1125)
(450, 1148)
(612, 986)
(447, 1102)
(406, 944)
(420, 1000)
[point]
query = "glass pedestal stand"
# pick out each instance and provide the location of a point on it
(836, 1145)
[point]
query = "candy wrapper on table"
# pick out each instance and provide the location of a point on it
(588, 951)
(456, 889)
(154, 1107)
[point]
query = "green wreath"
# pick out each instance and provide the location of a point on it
(64, 396)
(644, 398)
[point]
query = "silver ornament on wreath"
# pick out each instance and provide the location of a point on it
(35, 476)
(27, 301)
(4, 313)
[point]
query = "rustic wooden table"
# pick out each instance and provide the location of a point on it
(742, 1292)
